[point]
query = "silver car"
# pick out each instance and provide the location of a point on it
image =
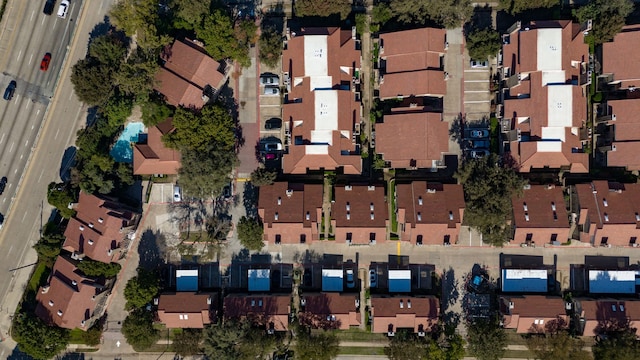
(269, 79)
(479, 133)
(272, 90)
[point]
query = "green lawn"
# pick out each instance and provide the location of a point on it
(359, 335)
(494, 132)
(394, 220)
(39, 276)
(352, 350)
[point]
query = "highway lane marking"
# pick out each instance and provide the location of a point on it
(24, 216)
(70, 95)
(2, 139)
(27, 105)
(26, 143)
(38, 113)
(19, 53)
(11, 148)
(31, 59)
(15, 171)
(17, 96)
(57, 132)
(10, 248)
(32, 13)
(41, 173)
(43, 19)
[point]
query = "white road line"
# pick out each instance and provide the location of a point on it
(19, 53)
(32, 13)
(27, 105)
(2, 138)
(70, 95)
(38, 113)
(15, 171)
(11, 148)
(41, 173)
(43, 19)
(24, 216)
(32, 126)
(21, 156)
(57, 132)
(26, 143)
(477, 81)
(10, 248)
(15, 102)
(31, 59)
(477, 102)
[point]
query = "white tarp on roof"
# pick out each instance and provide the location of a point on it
(332, 279)
(549, 146)
(560, 105)
(612, 282)
(549, 54)
(553, 133)
(186, 280)
(399, 280)
(259, 279)
(320, 82)
(316, 149)
(553, 77)
(524, 280)
(315, 55)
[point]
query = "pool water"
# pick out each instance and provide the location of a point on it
(122, 150)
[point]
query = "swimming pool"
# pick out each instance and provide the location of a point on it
(122, 150)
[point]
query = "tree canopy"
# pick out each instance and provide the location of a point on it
(138, 329)
(447, 13)
(204, 174)
(321, 346)
(38, 339)
(406, 346)
(488, 188)
(486, 340)
(262, 176)
(141, 289)
(557, 346)
(188, 14)
(154, 111)
(518, 6)
(617, 345)
(483, 43)
(250, 233)
(322, 8)
(237, 340)
(224, 39)
(199, 131)
(139, 18)
(98, 268)
(187, 342)
(608, 17)
(270, 46)
(60, 196)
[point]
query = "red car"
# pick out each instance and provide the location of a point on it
(44, 65)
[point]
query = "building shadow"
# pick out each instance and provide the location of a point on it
(151, 250)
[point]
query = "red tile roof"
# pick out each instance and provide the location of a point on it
(322, 109)
(626, 141)
(265, 310)
(359, 199)
(95, 231)
(432, 211)
(330, 311)
(186, 73)
(393, 313)
(624, 154)
(533, 313)
(539, 213)
(413, 139)
(186, 309)
(599, 315)
(615, 223)
(416, 83)
(293, 204)
(615, 55)
(68, 299)
(153, 157)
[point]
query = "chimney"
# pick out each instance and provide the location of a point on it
(289, 193)
(348, 206)
(604, 201)
(409, 304)
(372, 216)
(606, 217)
(637, 217)
(419, 216)
(526, 216)
(45, 289)
(348, 216)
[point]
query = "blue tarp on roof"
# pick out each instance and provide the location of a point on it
(400, 281)
(259, 279)
(332, 280)
(187, 280)
(612, 282)
(522, 280)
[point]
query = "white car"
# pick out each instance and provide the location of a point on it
(273, 146)
(177, 194)
(479, 153)
(269, 79)
(63, 8)
(271, 90)
(479, 133)
(477, 64)
(350, 281)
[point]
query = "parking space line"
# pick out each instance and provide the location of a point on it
(477, 91)
(477, 101)
(477, 81)
(485, 70)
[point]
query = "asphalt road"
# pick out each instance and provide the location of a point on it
(43, 116)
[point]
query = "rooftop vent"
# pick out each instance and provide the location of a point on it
(109, 252)
(527, 187)
(606, 217)
(371, 188)
(604, 201)
(308, 216)
(81, 228)
(260, 302)
(348, 206)
(45, 289)
(409, 304)
(276, 216)
(431, 191)
(450, 215)
(372, 216)
(526, 216)
(613, 308)
(100, 220)
(511, 305)
(419, 216)
(59, 312)
(553, 206)
(74, 283)
(279, 200)
(348, 216)
(90, 242)
(209, 300)
(91, 225)
(637, 217)
(348, 188)
(50, 302)
(371, 206)
(401, 304)
(289, 192)
(524, 205)
(156, 301)
(253, 302)
(420, 200)
(621, 307)
(82, 323)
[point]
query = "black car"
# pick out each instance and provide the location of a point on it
(273, 123)
(11, 89)
(48, 7)
(1, 220)
(3, 184)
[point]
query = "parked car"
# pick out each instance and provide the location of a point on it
(271, 90)
(1, 220)
(479, 133)
(273, 146)
(3, 184)
(227, 191)
(11, 89)
(478, 153)
(273, 123)
(44, 64)
(350, 281)
(48, 7)
(269, 79)
(270, 156)
(177, 194)
(480, 144)
(479, 64)
(63, 9)
(373, 278)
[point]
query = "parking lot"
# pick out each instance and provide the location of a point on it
(477, 98)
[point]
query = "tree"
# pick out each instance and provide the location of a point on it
(189, 13)
(60, 196)
(323, 346)
(483, 43)
(225, 341)
(405, 346)
(518, 6)
(250, 233)
(138, 329)
(323, 8)
(204, 174)
(222, 40)
(136, 76)
(448, 13)
(141, 289)
(108, 50)
(37, 339)
(98, 268)
(262, 176)
(557, 346)
(139, 18)
(270, 46)
(608, 17)
(116, 110)
(91, 81)
(187, 342)
(381, 15)
(486, 340)
(617, 345)
(199, 131)
(488, 189)
(154, 111)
